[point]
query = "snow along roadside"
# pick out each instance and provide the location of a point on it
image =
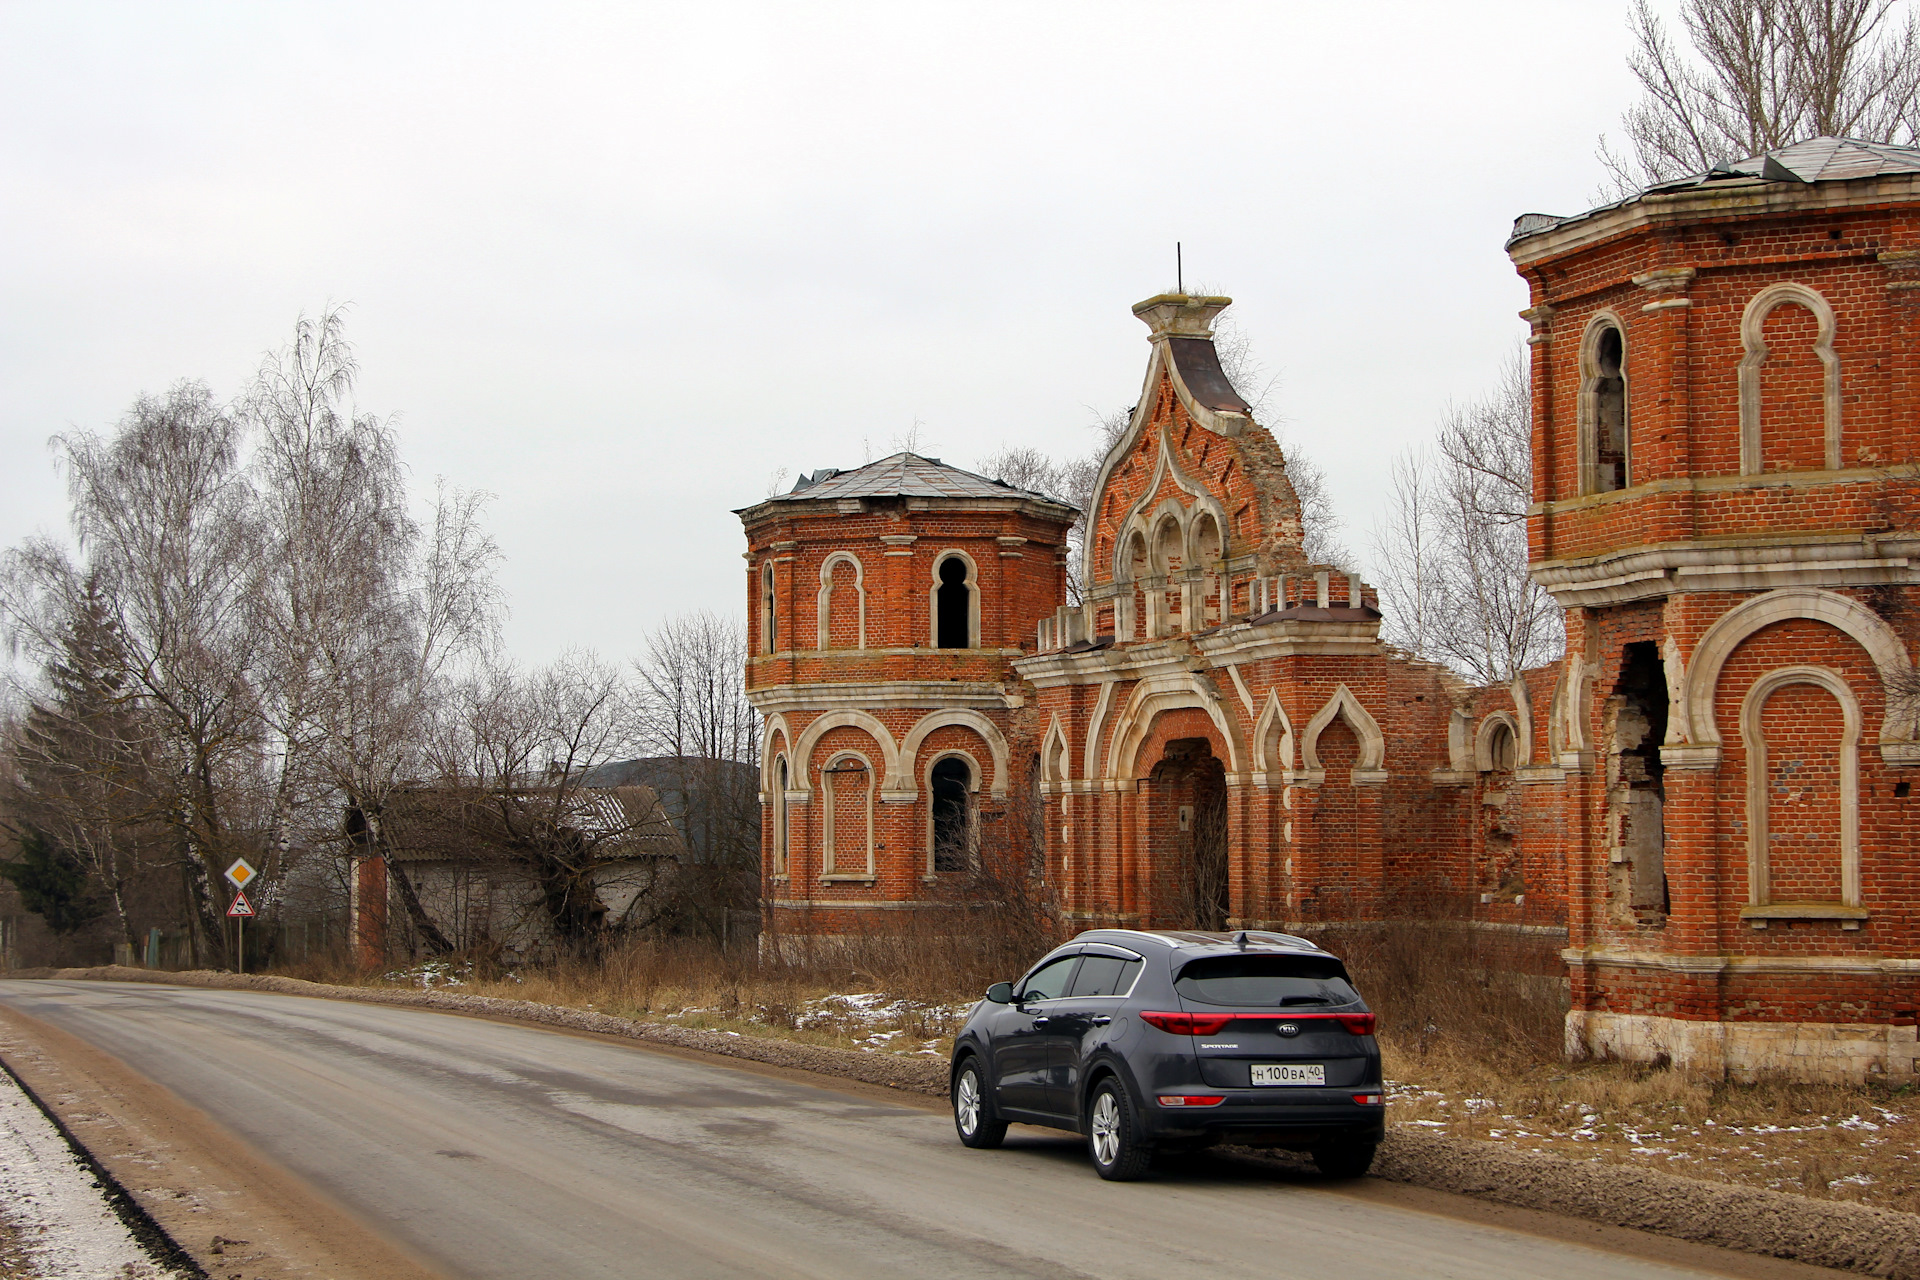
(1837, 1234)
(51, 1195)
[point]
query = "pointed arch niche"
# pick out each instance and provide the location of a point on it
(1371, 768)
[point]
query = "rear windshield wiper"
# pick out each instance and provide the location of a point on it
(1285, 1000)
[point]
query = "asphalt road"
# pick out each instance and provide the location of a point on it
(496, 1150)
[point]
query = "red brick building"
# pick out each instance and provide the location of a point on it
(1710, 795)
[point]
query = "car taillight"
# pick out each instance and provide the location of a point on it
(1191, 1099)
(1368, 1099)
(1360, 1024)
(1188, 1024)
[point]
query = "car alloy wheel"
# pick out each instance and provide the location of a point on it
(973, 1115)
(1118, 1154)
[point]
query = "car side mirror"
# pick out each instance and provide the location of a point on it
(1000, 993)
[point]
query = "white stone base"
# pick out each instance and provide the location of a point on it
(1807, 1052)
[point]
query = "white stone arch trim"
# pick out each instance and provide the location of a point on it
(1483, 740)
(1373, 743)
(1097, 729)
(1752, 339)
(1759, 893)
(830, 819)
(973, 597)
(1523, 721)
(1589, 403)
(1056, 757)
(824, 603)
(770, 726)
(1275, 727)
(811, 735)
(1882, 643)
(901, 786)
(1168, 693)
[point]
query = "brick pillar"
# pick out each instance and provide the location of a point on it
(1369, 855)
(1242, 881)
(1303, 854)
(1903, 299)
(1660, 409)
(370, 912)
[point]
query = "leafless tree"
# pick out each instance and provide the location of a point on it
(1452, 554)
(704, 739)
(1763, 74)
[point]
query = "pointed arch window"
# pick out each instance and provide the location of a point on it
(1606, 450)
(769, 625)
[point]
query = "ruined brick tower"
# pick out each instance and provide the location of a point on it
(1726, 378)
(886, 604)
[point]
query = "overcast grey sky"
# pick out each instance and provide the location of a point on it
(618, 264)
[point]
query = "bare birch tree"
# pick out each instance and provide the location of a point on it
(1762, 74)
(1451, 556)
(704, 737)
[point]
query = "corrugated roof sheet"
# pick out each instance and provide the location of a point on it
(904, 475)
(1814, 160)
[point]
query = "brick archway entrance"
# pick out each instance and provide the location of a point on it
(1186, 795)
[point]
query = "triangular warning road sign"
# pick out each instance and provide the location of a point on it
(240, 907)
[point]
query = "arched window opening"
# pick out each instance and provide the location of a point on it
(952, 814)
(1611, 458)
(769, 627)
(780, 817)
(954, 604)
(1501, 751)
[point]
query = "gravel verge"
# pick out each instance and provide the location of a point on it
(1851, 1237)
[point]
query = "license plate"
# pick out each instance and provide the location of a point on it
(1289, 1073)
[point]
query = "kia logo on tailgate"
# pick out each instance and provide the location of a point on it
(1288, 1028)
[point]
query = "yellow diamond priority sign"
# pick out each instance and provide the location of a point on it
(240, 873)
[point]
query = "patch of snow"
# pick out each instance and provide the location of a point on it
(56, 1204)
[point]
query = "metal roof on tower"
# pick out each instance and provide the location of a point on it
(904, 475)
(1814, 160)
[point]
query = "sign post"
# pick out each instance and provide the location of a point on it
(240, 875)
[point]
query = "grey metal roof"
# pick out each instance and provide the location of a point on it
(1814, 160)
(904, 475)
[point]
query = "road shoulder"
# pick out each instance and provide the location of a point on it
(205, 1187)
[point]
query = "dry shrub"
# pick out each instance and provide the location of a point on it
(1443, 985)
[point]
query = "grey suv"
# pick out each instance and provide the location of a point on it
(1144, 1040)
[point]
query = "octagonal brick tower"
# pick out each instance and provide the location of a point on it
(1726, 408)
(885, 607)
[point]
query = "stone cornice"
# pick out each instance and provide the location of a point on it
(1716, 202)
(869, 695)
(1622, 957)
(1744, 564)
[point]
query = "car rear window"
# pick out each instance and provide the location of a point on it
(1266, 980)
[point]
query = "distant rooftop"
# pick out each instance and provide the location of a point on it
(904, 475)
(1815, 160)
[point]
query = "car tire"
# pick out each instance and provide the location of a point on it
(1349, 1160)
(973, 1114)
(1113, 1134)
